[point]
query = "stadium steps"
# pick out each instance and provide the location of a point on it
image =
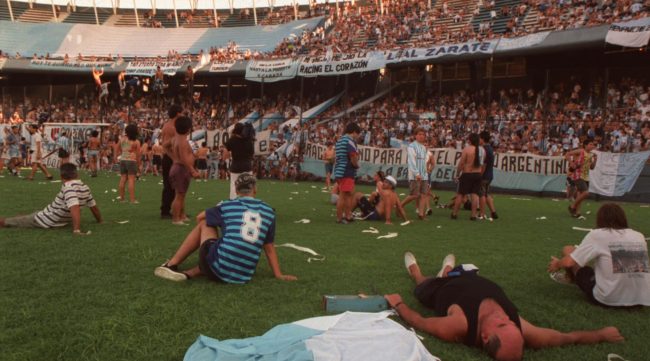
(38, 14)
(127, 19)
(531, 21)
(454, 6)
(18, 8)
(499, 24)
(164, 21)
(87, 16)
(234, 20)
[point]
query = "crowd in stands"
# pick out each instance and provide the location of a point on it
(521, 120)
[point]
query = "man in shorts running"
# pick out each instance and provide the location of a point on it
(585, 161)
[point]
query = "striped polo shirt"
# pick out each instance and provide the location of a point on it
(57, 214)
(417, 161)
(246, 225)
(344, 148)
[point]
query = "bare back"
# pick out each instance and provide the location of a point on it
(167, 134)
(181, 151)
(467, 160)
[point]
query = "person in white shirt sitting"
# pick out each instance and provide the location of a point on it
(620, 271)
(65, 209)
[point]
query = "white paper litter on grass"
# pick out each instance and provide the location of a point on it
(317, 257)
(114, 190)
(314, 187)
(122, 222)
(402, 194)
(582, 217)
(199, 199)
(295, 184)
(304, 220)
(520, 199)
(582, 229)
(324, 191)
(406, 223)
(56, 181)
(438, 227)
(106, 191)
(555, 200)
(644, 206)
(295, 193)
(389, 235)
(370, 230)
(540, 218)
(290, 198)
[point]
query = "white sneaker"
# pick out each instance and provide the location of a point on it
(450, 260)
(170, 273)
(409, 260)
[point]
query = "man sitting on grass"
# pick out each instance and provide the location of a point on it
(474, 310)
(384, 201)
(66, 207)
(247, 226)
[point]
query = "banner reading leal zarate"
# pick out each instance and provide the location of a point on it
(511, 171)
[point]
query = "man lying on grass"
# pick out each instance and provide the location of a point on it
(475, 311)
(247, 226)
(65, 208)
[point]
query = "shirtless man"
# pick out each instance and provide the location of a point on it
(157, 151)
(94, 146)
(388, 200)
(122, 82)
(97, 75)
(329, 157)
(202, 161)
(159, 81)
(182, 171)
(468, 175)
(168, 133)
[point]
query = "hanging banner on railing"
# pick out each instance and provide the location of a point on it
(434, 52)
(272, 70)
(525, 41)
(78, 133)
(221, 67)
(149, 67)
(70, 64)
(339, 64)
(615, 173)
(631, 34)
(220, 137)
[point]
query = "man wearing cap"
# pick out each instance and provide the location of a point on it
(246, 224)
(386, 202)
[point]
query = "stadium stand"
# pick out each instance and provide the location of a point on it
(87, 16)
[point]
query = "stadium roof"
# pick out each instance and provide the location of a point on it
(169, 4)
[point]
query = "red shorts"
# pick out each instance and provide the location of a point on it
(345, 184)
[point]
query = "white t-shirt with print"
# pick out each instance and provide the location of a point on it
(621, 266)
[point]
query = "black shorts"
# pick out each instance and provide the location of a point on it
(570, 182)
(63, 153)
(426, 291)
(222, 165)
(204, 266)
(582, 185)
(485, 187)
(469, 183)
(157, 160)
(201, 164)
(374, 216)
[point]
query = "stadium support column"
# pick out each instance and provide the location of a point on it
(302, 84)
(255, 12)
(295, 10)
(605, 103)
(11, 11)
(216, 16)
(56, 18)
(175, 12)
(228, 94)
(76, 102)
(135, 11)
(95, 10)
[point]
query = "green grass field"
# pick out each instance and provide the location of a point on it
(96, 298)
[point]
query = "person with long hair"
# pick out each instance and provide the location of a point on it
(129, 155)
(620, 271)
(468, 175)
